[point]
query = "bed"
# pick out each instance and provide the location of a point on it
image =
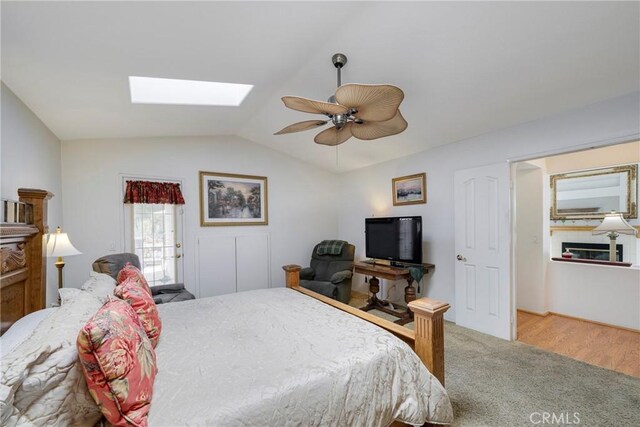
(283, 356)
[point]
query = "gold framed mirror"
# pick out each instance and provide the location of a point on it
(593, 193)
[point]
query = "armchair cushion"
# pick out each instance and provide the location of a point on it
(340, 276)
(112, 264)
(327, 289)
(307, 273)
(183, 295)
(174, 292)
(173, 288)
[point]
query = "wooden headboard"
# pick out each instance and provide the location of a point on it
(22, 249)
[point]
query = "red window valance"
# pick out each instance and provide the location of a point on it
(153, 192)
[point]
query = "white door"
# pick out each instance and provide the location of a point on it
(154, 233)
(482, 242)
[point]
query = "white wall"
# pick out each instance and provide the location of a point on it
(620, 154)
(529, 239)
(30, 155)
(605, 294)
(302, 198)
(368, 191)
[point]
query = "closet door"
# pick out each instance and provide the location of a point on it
(216, 265)
(252, 262)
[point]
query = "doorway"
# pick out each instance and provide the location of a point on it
(154, 232)
(584, 311)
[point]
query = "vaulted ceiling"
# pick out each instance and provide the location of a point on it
(466, 68)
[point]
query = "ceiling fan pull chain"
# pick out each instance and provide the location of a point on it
(336, 157)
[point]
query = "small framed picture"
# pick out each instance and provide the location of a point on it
(231, 199)
(410, 189)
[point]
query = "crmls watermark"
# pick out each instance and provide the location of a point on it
(563, 418)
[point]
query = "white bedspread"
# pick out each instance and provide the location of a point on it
(279, 358)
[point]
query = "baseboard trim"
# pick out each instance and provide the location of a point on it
(624, 328)
(546, 313)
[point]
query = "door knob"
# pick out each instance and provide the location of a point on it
(460, 258)
(179, 256)
(178, 245)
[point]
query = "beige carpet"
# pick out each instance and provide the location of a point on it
(492, 382)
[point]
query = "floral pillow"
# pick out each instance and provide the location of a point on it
(119, 364)
(143, 305)
(131, 271)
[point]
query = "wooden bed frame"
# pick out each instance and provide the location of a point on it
(23, 273)
(428, 338)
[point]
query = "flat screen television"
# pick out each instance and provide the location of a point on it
(396, 239)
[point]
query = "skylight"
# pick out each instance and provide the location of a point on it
(151, 90)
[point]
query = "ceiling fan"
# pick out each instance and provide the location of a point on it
(362, 111)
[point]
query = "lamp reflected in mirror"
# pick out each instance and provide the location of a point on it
(613, 225)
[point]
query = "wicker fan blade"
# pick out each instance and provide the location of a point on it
(375, 130)
(310, 106)
(300, 126)
(333, 136)
(374, 103)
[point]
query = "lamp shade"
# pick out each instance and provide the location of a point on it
(59, 245)
(614, 222)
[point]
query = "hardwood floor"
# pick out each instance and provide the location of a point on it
(600, 345)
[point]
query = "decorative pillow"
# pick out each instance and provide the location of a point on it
(119, 364)
(42, 383)
(99, 284)
(144, 306)
(68, 295)
(130, 270)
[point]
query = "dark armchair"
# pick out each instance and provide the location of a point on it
(112, 264)
(330, 275)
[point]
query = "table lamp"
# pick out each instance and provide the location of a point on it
(58, 245)
(613, 225)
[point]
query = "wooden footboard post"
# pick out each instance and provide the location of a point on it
(292, 275)
(429, 327)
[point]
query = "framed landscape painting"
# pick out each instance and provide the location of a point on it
(410, 189)
(230, 199)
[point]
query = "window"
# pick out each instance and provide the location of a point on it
(154, 241)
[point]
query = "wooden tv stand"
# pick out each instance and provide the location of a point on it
(389, 273)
